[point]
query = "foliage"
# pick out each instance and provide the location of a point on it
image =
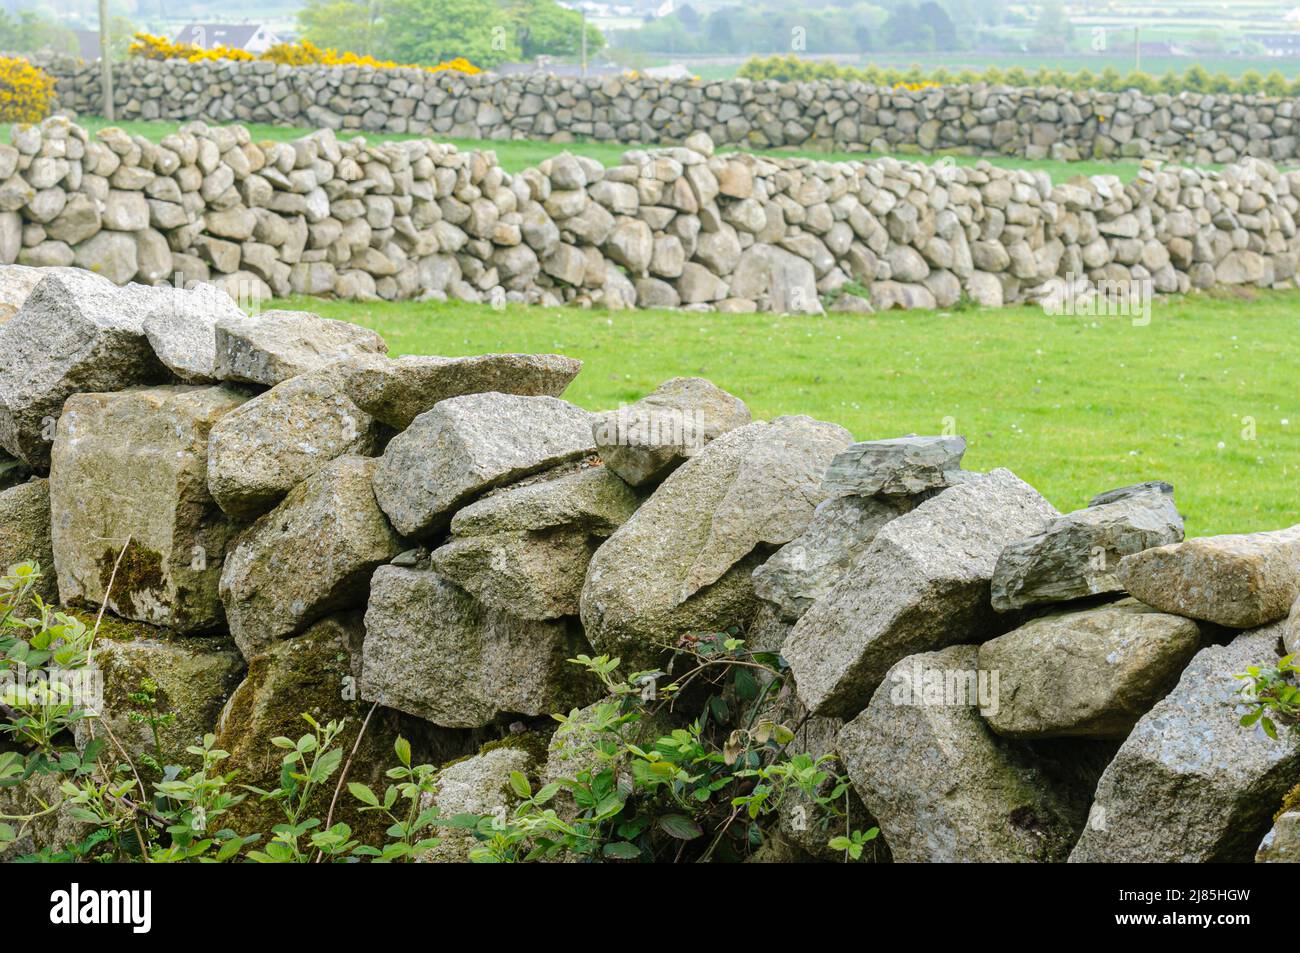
(434, 31)
(305, 53)
(26, 91)
(788, 68)
(179, 817)
(31, 31)
(700, 792)
(1272, 696)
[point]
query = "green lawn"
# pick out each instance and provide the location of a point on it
(1073, 405)
(516, 155)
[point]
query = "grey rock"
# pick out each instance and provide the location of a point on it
(128, 478)
(181, 329)
(945, 789)
(647, 440)
(1089, 673)
(397, 390)
(922, 584)
(434, 651)
(683, 561)
(467, 445)
(310, 556)
(1281, 845)
(1190, 784)
(1077, 554)
(806, 569)
(25, 533)
(276, 440)
(903, 465)
(481, 786)
(273, 346)
(75, 332)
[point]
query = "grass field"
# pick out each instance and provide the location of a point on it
(516, 155)
(1073, 405)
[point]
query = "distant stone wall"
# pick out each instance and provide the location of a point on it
(674, 227)
(976, 120)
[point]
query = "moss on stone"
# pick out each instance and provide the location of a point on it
(312, 673)
(116, 629)
(139, 571)
(1289, 803)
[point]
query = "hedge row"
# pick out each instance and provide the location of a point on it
(791, 68)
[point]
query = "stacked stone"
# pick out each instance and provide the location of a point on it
(674, 227)
(1032, 122)
(288, 520)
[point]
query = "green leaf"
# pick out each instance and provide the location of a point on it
(621, 850)
(519, 784)
(363, 793)
(403, 749)
(679, 826)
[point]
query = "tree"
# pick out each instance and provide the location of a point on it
(434, 31)
(1052, 31)
(905, 28)
(340, 24)
(543, 27)
(32, 31)
(945, 34)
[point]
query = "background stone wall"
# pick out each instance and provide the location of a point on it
(678, 226)
(976, 120)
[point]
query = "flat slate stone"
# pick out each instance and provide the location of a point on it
(902, 465)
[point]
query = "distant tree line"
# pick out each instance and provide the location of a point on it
(836, 26)
(486, 32)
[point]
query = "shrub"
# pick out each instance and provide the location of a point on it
(26, 91)
(150, 47)
(789, 68)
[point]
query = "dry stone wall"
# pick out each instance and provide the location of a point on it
(977, 120)
(283, 518)
(674, 227)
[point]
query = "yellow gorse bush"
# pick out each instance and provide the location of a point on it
(304, 53)
(26, 92)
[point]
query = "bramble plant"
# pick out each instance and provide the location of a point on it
(181, 816)
(693, 793)
(639, 789)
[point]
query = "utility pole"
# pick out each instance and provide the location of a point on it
(105, 61)
(584, 42)
(1137, 49)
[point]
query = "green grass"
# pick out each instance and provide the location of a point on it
(1073, 405)
(517, 155)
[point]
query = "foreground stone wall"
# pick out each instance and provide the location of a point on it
(680, 226)
(977, 120)
(317, 526)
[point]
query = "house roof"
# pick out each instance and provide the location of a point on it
(208, 35)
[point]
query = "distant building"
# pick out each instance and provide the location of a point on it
(1276, 44)
(87, 44)
(249, 37)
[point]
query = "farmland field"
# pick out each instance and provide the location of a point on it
(1199, 397)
